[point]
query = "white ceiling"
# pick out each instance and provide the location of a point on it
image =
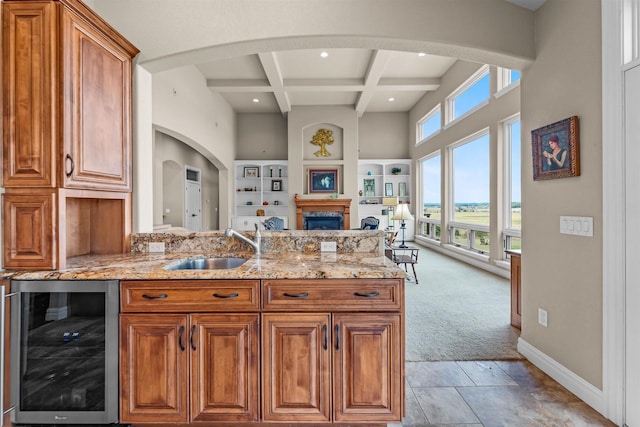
(363, 78)
(368, 80)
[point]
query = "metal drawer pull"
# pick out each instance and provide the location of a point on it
(233, 295)
(371, 295)
(180, 334)
(337, 337)
(301, 295)
(193, 331)
(161, 296)
(326, 338)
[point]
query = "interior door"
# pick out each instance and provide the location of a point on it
(632, 280)
(193, 200)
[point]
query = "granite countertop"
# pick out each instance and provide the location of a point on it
(283, 265)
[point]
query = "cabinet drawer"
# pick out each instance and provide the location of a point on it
(333, 295)
(189, 295)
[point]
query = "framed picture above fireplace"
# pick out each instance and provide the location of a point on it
(323, 181)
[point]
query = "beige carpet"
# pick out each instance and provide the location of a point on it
(457, 312)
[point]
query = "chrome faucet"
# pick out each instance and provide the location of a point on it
(255, 243)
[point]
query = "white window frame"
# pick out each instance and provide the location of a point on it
(505, 85)
(508, 232)
(420, 138)
(450, 100)
(432, 221)
(452, 224)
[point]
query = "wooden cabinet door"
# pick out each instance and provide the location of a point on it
(29, 93)
(367, 367)
(154, 368)
(29, 233)
(296, 367)
(97, 109)
(224, 367)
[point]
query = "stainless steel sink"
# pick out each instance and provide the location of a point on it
(220, 263)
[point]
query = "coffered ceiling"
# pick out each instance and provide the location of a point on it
(368, 80)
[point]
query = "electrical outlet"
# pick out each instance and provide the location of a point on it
(156, 247)
(328, 246)
(542, 317)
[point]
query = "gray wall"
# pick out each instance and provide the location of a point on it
(261, 137)
(383, 136)
(563, 273)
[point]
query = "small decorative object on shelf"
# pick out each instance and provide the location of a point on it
(396, 170)
(280, 172)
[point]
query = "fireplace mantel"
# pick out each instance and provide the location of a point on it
(322, 205)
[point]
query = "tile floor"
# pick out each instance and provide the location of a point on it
(491, 393)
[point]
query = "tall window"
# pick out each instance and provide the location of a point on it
(429, 125)
(469, 96)
(512, 185)
(470, 192)
(430, 172)
(507, 77)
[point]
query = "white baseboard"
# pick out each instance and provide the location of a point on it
(590, 394)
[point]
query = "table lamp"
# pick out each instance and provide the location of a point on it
(402, 214)
(390, 203)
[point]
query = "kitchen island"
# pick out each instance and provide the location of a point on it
(293, 335)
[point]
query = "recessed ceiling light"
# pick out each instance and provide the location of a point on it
(422, 54)
(324, 54)
(256, 100)
(391, 99)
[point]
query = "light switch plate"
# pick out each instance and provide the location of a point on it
(156, 247)
(577, 225)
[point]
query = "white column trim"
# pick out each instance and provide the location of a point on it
(613, 203)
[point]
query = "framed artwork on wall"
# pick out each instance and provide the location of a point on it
(276, 185)
(323, 180)
(555, 150)
(388, 189)
(402, 189)
(251, 172)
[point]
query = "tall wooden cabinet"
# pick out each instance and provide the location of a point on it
(66, 133)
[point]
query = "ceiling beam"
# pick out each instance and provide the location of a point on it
(272, 70)
(413, 84)
(374, 73)
(237, 85)
(323, 85)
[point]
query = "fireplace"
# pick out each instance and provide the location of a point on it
(323, 222)
(323, 208)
